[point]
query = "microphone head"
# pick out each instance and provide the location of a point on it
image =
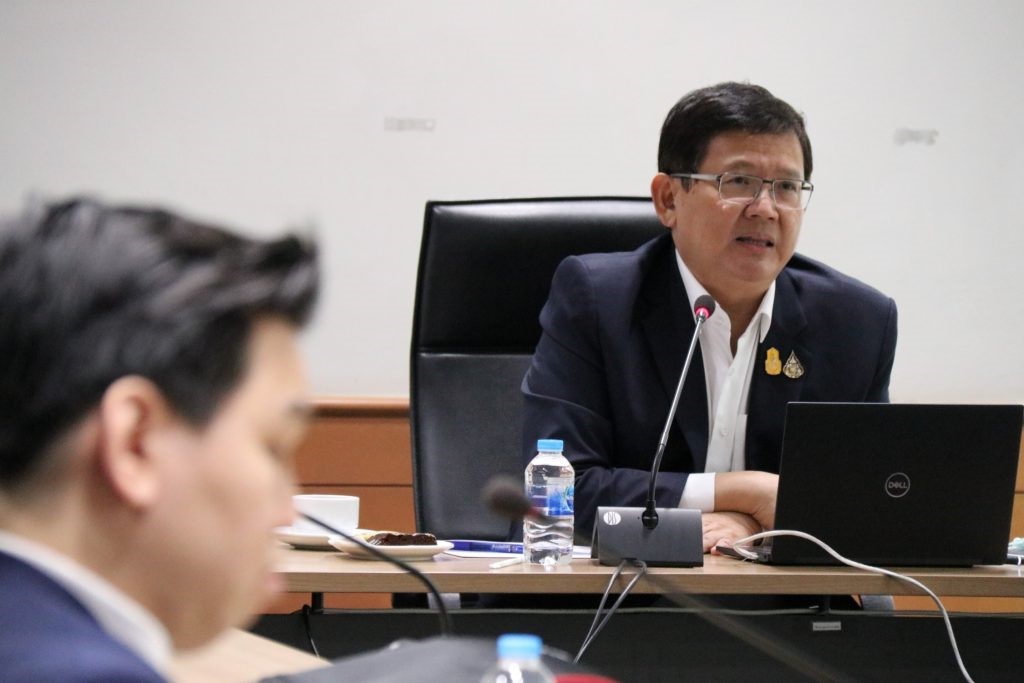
(704, 306)
(504, 496)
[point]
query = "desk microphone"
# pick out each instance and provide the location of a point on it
(671, 537)
(442, 611)
(504, 496)
(703, 307)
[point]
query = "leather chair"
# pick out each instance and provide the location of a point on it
(484, 273)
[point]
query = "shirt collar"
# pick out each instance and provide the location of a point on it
(120, 616)
(695, 289)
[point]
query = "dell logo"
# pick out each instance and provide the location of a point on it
(897, 485)
(611, 518)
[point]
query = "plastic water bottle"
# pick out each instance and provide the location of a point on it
(550, 483)
(518, 661)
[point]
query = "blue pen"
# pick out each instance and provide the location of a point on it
(486, 546)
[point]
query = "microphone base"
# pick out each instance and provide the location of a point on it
(677, 541)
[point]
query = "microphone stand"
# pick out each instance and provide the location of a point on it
(650, 516)
(442, 611)
(675, 537)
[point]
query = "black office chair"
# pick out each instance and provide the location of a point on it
(484, 274)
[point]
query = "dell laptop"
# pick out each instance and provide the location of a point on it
(897, 484)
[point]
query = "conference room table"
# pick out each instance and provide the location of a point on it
(306, 571)
(650, 644)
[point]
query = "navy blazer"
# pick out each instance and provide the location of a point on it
(616, 328)
(47, 635)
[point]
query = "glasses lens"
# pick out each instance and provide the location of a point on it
(739, 188)
(790, 194)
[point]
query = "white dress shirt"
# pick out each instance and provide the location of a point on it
(120, 616)
(728, 385)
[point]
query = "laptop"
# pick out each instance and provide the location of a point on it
(897, 484)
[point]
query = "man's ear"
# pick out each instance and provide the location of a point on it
(664, 199)
(132, 411)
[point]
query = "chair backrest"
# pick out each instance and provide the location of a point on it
(484, 273)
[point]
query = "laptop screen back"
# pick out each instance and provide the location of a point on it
(898, 484)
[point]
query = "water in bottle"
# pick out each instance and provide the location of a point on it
(550, 483)
(518, 661)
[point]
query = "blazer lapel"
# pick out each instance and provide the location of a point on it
(769, 394)
(668, 325)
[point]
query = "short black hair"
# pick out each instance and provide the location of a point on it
(704, 113)
(90, 293)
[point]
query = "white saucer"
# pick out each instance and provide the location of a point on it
(402, 552)
(304, 539)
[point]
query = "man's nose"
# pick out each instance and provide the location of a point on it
(762, 205)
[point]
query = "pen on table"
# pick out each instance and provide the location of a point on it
(506, 563)
(486, 546)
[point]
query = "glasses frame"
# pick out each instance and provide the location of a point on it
(717, 178)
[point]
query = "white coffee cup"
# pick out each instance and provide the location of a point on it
(341, 512)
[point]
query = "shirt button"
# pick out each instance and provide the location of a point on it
(723, 431)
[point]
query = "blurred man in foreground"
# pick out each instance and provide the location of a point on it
(151, 395)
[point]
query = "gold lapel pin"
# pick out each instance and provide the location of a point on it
(772, 364)
(793, 369)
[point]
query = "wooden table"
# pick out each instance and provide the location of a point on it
(863, 645)
(308, 571)
(239, 656)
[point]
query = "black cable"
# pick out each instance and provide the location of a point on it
(306, 611)
(600, 607)
(442, 610)
(594, 632)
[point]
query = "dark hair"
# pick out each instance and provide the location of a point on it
(90, 293)
(702, 114)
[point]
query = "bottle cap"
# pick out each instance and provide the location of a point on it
(518, 646)
(550, 445)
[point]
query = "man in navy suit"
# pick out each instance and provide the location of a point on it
(733, 184)
(151, 394)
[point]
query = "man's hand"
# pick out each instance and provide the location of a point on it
(727, 527)
(752, 493)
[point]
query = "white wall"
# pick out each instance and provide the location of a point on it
(263, 114)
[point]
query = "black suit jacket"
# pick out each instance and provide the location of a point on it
(616, 328)
(47, 635)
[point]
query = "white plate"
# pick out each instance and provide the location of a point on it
(401, 552)
(304, 539)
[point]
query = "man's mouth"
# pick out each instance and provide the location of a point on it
(756, 241)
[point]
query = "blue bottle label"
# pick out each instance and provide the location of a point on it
(556, 501)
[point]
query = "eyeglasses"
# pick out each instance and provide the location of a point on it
(787, 193)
